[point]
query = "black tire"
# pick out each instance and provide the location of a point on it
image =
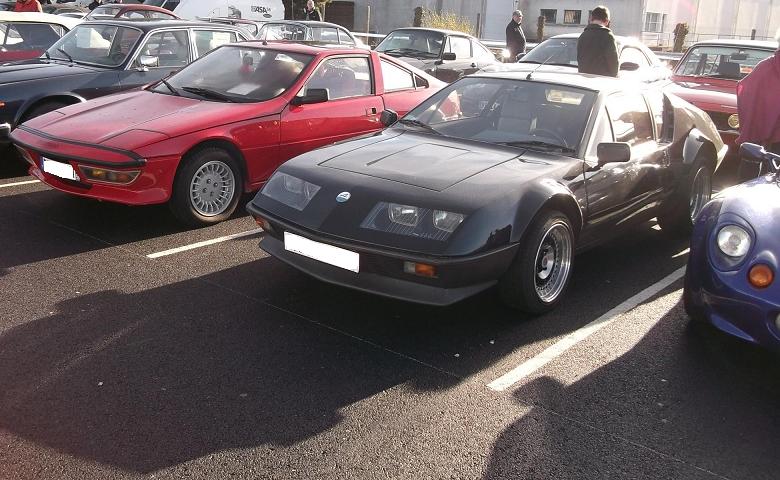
(518, 287)
(675, 217)
(182, 204)
(41, 108)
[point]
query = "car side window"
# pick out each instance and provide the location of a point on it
(345, 39)
(171, 48)
(633, 55)
(396, 78)
(343, 77)
(208, 40)
(460, 46)
(630, 118)
(29, 36)
(602, 133)
(482, 53)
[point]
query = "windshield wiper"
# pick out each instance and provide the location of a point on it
(207, 93)
(538, 143)
(417, 123)
(62, 51)
(170, 87)
(408, 51)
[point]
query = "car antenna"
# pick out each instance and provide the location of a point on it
(528, 77)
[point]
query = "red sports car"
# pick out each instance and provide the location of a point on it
(218, 127)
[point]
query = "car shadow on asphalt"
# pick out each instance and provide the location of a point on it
(686, 402)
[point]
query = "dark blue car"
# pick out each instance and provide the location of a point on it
(731, 281)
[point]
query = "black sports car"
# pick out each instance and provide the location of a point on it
(100, 58)
(497, 179)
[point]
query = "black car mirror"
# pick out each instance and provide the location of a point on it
(756, 154)
(313, 95)
(388, 117)
(448, 56)
(629, 67)
(613, 153)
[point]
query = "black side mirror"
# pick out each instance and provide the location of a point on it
(448, 56)
(756, 154)
(388, 117)
(629, 67)
(613, 153)
(313, 95)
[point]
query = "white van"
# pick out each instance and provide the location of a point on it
(262, 10)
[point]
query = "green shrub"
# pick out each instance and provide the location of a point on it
(446, 20)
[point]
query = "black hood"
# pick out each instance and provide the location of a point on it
(38, 69)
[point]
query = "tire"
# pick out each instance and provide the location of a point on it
(207, 188)
(688, 200)
(42, 108)
(529, 285)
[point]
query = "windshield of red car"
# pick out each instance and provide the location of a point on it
(529, 114)
(238, 74)
(730, 62)
(105, 45)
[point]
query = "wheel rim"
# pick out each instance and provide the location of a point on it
(700, 193)
(212, 188)
(553, 262)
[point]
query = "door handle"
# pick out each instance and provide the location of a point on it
(371, 111)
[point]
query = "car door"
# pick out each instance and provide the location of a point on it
(617, 192)
(353, 107)
(167, 50)
(451, 70)
(482, 56)
(402, 88)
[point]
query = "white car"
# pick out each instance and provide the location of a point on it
(27, 35)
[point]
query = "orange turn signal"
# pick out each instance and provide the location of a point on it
(420, 269)
(263, 223)
(761, 276)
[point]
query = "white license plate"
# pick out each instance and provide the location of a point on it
(338, 257)
(59, 169)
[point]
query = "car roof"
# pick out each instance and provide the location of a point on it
(38, 17)
(439, 30)
(149, 25)
(730, 42)
(135, 7)
(619, 38)
(305, 48)
(308, 23)
(551, 74)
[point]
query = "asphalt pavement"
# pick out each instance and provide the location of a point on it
(131, 347)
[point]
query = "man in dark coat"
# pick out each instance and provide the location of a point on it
(596, 48)
(515, 38)
(311, 12)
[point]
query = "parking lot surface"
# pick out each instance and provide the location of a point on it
(134, 348)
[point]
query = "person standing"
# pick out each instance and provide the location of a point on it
(311, 12)
(27, 6)
(596, 48)
(515, 38)
(94, 4)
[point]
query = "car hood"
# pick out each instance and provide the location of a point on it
(39, 69)
(706, 93)
(108, 120)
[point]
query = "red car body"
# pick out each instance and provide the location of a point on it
(152, 132)
(716, 95)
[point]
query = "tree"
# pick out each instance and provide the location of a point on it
(540, 23)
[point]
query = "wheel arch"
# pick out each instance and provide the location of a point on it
(65, 97)
(222, 144)
(548, 195)
(697, 144)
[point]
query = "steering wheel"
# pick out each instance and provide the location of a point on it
(550, 134)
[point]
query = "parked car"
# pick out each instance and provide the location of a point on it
(636, 61)
(731, 281)
(219, 127)
(252, 27)
(496, 179)
(445, 54)
(130, 11)
(99, 58)
(306, 31)
(707, 77)
(28, 35)
(59, 9)
(262, 10)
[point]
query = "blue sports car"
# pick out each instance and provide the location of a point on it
(731, 281)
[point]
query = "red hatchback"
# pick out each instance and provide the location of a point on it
(219, 127)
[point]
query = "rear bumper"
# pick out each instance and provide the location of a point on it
(382, 270)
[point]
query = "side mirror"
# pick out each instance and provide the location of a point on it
(146, 62)
(629, 67)
(388, 117)
(519, 57)
(756, 154)
(313, 95)
(613, 153)
(448, 56)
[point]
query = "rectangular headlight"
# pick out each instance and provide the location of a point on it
(290, 190)
(412, 221)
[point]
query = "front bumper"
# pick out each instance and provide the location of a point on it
(382, 272)
(5, 134)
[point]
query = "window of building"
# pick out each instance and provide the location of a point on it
(655, 22)
(572, 17)
(550, 15)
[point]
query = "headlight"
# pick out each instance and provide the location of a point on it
(290, 190)
(412, 221)
(734, 241)
(447, 221)
(733, 121)
(404, 214)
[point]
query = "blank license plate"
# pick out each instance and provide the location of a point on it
(59, 169)
(338, 257)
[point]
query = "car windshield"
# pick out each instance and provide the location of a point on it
(102, 12)
(105, 45)
(414, 43)
(237, 74)
(557, 51)
(529, 114)
(721, 61)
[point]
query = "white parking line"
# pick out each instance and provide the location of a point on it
(204, 243)
(550, 353)
(16, 184)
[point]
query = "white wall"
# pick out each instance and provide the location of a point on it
(625, 14)
(387, 15)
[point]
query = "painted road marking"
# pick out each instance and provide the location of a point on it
(204, 243)
(550, 353)
(16, 184)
